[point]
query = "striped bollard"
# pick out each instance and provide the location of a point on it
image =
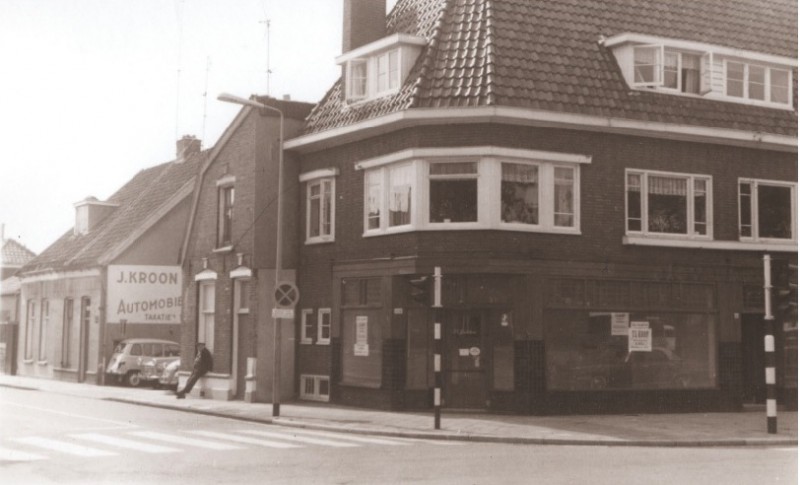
(769, 349)
(437, 370)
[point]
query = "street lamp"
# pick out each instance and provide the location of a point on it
(276, 368)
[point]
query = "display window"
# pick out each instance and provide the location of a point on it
(626, 351)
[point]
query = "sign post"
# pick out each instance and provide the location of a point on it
(437, 347)
(286, 297)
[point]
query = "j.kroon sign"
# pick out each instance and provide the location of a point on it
(144, 294)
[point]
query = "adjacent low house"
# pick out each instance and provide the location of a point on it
(115, 275)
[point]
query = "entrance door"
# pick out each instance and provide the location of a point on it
(465, 360)
(754, 388)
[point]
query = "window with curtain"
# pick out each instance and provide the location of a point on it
(564, 196)
(672, 204)
(401, 179)
(205, 324)
(319, 210)
(520, 193)
(225, 216)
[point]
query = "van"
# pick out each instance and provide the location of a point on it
(130, 355)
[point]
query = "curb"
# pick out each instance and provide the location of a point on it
(476, 438)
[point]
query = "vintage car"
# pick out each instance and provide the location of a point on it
(659, 368)
(168, 379)
(127, 364)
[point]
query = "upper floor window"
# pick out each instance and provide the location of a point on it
(759, 83)
(320, 210)
(655, 66)
(473, 192)
(660, 203)
(767, 210)
(225, 215)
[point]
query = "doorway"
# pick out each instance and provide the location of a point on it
(465, 360)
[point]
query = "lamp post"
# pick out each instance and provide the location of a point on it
(276, 368)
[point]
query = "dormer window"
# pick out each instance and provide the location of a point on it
(696, 69)
(379, 68)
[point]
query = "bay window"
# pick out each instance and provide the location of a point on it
(659, 203)
(767, 210)
(454, 192)
(520, 193)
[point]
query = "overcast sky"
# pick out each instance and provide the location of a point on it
(89, 91)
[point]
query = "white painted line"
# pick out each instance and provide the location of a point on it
(124, 443)
(180, 440)
(301, 439)
(245, 439)
(14, 455)
(122, 424)
(63, 446)
(433, 442)
(350, 437)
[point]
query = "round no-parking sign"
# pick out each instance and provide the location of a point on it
(286, 295)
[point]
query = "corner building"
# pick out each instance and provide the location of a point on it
(598, 191)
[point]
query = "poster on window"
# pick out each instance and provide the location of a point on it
(619, 323)
(144, 294)
(640, 337)
(361, 347)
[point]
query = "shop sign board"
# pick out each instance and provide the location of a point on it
(361, 347)
(619, 323)
(144, 294)
(640, 337)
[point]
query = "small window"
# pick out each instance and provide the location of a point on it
(225, 216)
(564, 197)
(205, 317)
(388, 193)
(767, 210)
(324, 326)
(779, 86)
(306, 325)
(757, 83)
(648, 65)
(454, 192)
(357, 79)
(668, 204)
(315, 387)
(320, 210)
(520, 193)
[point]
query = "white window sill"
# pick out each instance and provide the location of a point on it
(224, 249)
(708, 244)
(324, 342)
(320, 240)
(41, 362)
(305, 342)
(473, 226)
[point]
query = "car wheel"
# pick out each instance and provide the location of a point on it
(133, 379)
(598, 382)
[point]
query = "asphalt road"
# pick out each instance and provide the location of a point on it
(52, 438)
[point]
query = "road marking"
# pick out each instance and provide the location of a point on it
(123, 443)
(72, 415)
(14, 455)
(350, 437)
(63, 446)
(212, 445)
(301, 439)
(245, 439)
(433, 442)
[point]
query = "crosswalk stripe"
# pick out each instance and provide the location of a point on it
(63, 446)
(124, 443)
(14, 455)
(301, 439)
(245, 439)
(212, 445)
(350, 437)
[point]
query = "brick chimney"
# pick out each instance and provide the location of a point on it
(364, 22)
(185, 147)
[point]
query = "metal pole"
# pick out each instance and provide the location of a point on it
(276, 377)
(769, 349)
(437, 348)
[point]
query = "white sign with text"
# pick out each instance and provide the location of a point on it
(640, 337)
(144, 294)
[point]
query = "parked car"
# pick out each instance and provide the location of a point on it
(169, 377)
(126, 365)
(153, 368)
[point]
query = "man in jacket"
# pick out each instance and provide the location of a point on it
(203, 363)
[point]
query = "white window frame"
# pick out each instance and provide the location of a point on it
(679, 87)
(690, 222)
(547, 214)
(223, 220)
(321, 238)
(306, 326)
(658, 66)
(44, 323)
(767, 101)
(352, 93)
(30, 325)
(376, 65)
(754, 229)
(206, 317)
(315, 395)
(321, 340)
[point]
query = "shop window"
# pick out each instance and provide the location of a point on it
(30, 322)
(205, 323)
(44, 325)
(315, 387)
(225, 216)
(320, 210)
(306, 326)
(66, 332)
(668, 204)
(630, 350)
(454, 192)
(324, 326)
(767, 210)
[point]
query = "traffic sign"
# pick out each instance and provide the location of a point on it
(286, 295)
(287, 313)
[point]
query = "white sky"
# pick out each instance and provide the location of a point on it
(89, 89)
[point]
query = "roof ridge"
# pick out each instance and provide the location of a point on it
(429, 55)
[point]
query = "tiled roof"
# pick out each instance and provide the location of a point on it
(9, 286)
(15, 254)
(137, 200)
(545, 55)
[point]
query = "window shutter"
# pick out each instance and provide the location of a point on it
(706, 69)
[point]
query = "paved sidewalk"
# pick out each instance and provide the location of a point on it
(746, 428)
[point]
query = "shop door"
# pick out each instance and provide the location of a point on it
(465, 360)
(754, 388)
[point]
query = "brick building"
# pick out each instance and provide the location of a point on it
(229, 255)
(597, 186)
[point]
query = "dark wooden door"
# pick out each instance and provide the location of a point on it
(466, 360)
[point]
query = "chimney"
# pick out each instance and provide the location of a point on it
(364, 22)
(185, 147)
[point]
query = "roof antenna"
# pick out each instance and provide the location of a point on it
(205, 101)
(179, 15)
(269, 71)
